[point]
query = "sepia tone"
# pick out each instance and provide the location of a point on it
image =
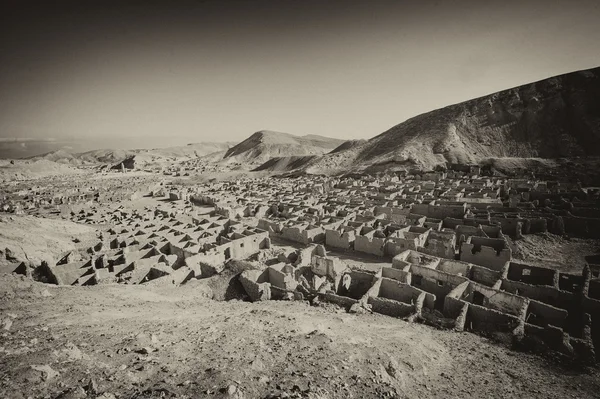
(163, 235)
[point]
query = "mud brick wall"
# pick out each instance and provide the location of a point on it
(360, 283)
(531, 274)
(368, 245)
(339, 300)
(334, 238)
(542, 314)
(484, 276)
(542, 293)
(396, 274)
(489, 320)
(390, 307)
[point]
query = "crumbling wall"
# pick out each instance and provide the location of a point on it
(542, 293)
(453, 305)
(390, 307)
(542, 314)
(435, 282)
(485, 320)
(256, 285)
(339, 300)
(511, 226)
(395, 290)
(397, 245)
(313, 235)
(484, 276)
(445, 211)
(538, 225)
(495, 299)
(336, 239)
(532, 274)
(370, 245)
(440, 244)
(396, 274)
(282, 277)
(454, 267)
(294, 234)
(360, 283)
(488, 252)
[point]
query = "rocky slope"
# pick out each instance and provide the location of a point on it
(555, 117)
(285, 164)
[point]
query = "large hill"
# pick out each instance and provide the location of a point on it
(265, 144)
(555, 117)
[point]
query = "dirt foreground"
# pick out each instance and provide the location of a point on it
(117, 341)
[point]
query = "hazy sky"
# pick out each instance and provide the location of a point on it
(218, 71)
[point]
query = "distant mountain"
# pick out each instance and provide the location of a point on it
(142, 156)
(265, 144)
(555, 117)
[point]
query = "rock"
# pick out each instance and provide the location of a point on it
(233, 392)
(92, 387)
(48, 373)
(73, 393)
(8, 254)
(72, 352)
(392, 368)
(359, 308)
(7, 324)
(146, 350)
(264, 379)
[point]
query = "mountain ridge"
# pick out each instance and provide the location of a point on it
(554, 117)
(266, 144)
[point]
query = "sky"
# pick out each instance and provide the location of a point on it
(157, 73)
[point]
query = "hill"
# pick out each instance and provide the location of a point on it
(265, 144)
(551, 118)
